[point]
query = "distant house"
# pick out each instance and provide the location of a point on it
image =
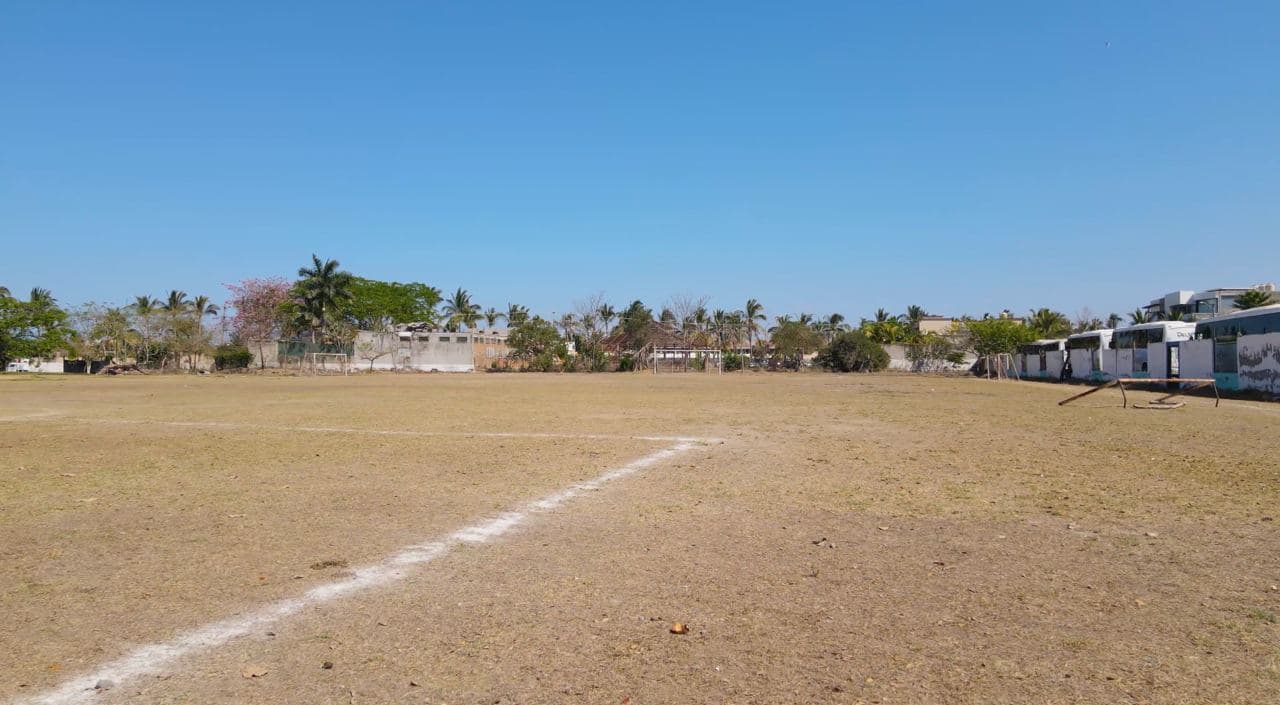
(1195, 305)
(37, 365)
(408, 348)
(936, 324)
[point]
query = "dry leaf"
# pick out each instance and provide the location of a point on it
(679, 628)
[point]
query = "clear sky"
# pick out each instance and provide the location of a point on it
(819, 156)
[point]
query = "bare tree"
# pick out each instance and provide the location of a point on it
(684, 307)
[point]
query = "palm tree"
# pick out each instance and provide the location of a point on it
(42, 296)
(1139, 316)
(913, 316)
(1113, 320)
(4, 292)
(1169, 315)
(568, 324)
(516, 314)
(177, 302)
(882, 315)
(779, 322)
(460, 310)
(323, 288)
(753, 313)
(1049, 324)
(607, 314)
(491, 316)
(1253, 299)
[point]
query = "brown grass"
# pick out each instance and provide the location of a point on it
(982, 543)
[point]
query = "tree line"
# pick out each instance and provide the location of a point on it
(326, 304)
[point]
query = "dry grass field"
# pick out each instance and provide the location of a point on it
(827, 539)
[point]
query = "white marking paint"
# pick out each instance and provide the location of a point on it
(154, 658)
(381, 432)
(36, 415)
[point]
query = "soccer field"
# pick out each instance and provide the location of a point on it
(533, 538)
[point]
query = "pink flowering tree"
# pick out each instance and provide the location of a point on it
(258, 303)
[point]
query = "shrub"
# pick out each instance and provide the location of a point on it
(732, 361)
(853, 352)
(232, 357)
(627, 363)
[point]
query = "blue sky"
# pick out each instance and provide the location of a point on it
(819, 156)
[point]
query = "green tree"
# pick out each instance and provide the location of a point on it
(321, 292)
(1253, 299)
(991, 336)
(459, 311)
(537, 342)
(912, 318)
(607, 313)
(1139, 316)
(492, 316)
(377, 305)
(753, 315)
(851, 351)
(792, 341)
(1049, 324)
(516, 314)
(33, 328)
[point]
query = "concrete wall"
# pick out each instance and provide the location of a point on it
(424, 352)
(1259, 357)
(1195, 358)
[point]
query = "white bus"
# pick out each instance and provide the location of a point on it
(1150, 349)
(1042, 359)
(1239, 350)
(1090, 357)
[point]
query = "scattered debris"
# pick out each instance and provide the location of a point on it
(253, 670)
(413, 684)
(1153, 534)
(883, 528)
(823, 542)
(104, 684)
(330, 563)
(327, 665)
(679, 628)
(121, 369)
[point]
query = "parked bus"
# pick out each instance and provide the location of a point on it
(1042, 359)
(1089, 355)
(1239, 350)
(1150, 349)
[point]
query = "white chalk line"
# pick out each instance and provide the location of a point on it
(153, 658)
(235, 426)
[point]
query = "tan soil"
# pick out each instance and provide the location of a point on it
(981, 543)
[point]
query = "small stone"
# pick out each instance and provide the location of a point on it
(883, 528)
(679, 628)
(1153, 534)
(327, 665)
(104, 684)
(1139, 603)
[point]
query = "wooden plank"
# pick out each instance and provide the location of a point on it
(1087, 392)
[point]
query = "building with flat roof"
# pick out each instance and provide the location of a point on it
(1195, 305)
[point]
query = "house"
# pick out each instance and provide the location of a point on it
(936, 324)
(1197, 305)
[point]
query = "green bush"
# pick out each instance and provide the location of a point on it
(853, 352)
(732, 361)
(627, 363)
(232, 357)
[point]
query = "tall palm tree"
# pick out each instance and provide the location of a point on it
(323, 288)
(516, 314)
(491, 316)
(40, 295)
(607, 313)
(1049, 324)
(4, 292)
(460, 310)
(568, 324)
(779, 322)
(913, 316)
(882, 315)
(751, 316)
(177, 302)
(1139, 316)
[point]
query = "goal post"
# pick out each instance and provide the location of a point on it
(326, 363)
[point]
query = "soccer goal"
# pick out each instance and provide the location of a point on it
(320, 363)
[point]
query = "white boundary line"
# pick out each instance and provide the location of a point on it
(235, 426)
(153, 658)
